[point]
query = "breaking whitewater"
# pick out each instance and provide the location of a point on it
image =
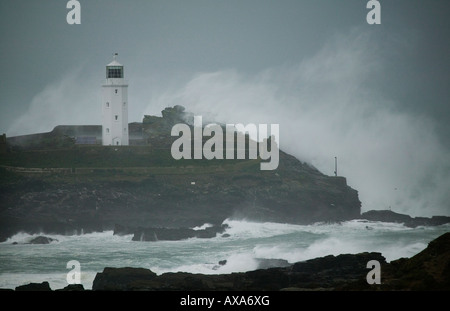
(244, 246)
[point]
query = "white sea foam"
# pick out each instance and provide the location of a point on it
(237, 262)
(202, 227)
(249, 229)
(353, 236)
(23, 238)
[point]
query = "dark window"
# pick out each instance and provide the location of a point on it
(116, 91)
(117, 117)
(114, 72)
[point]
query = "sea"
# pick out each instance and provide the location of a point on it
(242, 245)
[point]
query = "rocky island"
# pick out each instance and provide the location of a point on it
(57, 183)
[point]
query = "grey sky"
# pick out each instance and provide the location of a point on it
(283, 60)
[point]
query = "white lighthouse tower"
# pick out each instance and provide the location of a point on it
(115, 106)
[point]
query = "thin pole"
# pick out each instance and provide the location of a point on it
(335, 166)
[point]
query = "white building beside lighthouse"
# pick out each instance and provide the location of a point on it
(115, 106)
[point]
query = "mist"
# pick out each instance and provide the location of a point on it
(330, 105)
(71, 100)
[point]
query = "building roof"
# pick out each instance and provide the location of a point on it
(114, 63)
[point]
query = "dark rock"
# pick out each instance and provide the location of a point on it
(328, 272)
(163, 234)
(390, 216)
(264, 263)
(122, 278)
(428, 270)
(35, 223)
(175, 234)
(439, 220)
(44, 286)
(42, 240)
(221, 263)
(356, 264)
(72, 288)
(211, 232)
(385, 216)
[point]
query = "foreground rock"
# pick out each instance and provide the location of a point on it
(330, 272)
(390, 216)
(39, 287)
(72, 288)
(123, 278)
(428, 270)
(45, 287)
(264, 263)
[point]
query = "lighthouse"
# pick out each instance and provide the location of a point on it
(115, 106)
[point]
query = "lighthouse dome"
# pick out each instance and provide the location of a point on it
(114, 63)
(114, 69)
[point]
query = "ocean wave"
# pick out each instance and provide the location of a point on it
(236, 262)
(249, 229)
(203, 227)
(24, 238)
(246, 243)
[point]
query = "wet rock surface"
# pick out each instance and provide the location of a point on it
(169, 234)
(42, 240)
(412, 222)
(330, 272)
